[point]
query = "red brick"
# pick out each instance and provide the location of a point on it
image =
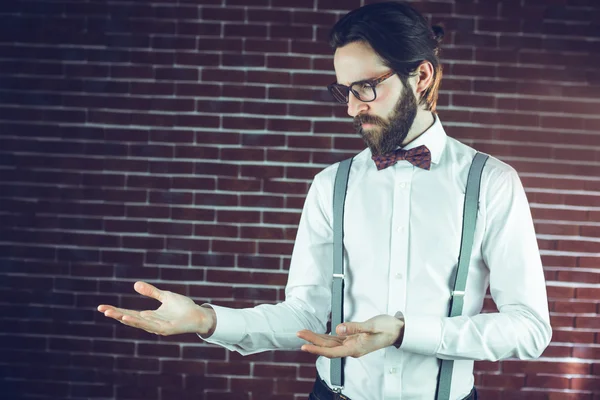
(258, 262)
(249, 185)
(246, 91)
(561, 321)
(242, 60)
(253, 293)
(572, 336)
(275, 248)
(592, 293)
(211, 230)
(288, 156)
(575, 368)
(213, 291)
(267, 46)
(244, 123)
(587, 322)
(585, 352)
(588, 384)
(217, 260)
(248, 2)
(217, 106)
(264, 108)
(251, 232)
(293, 3)
(287, 62)
(228, 368)
(182, 274)
(158, 350)
(555, 351)
(232, 276)
(574, 307)
(258, 386)
(280, 186)
(503, 381)
(288, 125)
(222, 14)
(291, 31)
(238, 216)
(547, 381)
(272, 77)
(237, 246)
(265, 15)
(245, 30)
(223, 75)
(177, 74)
(588, 262)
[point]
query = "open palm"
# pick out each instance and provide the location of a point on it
(358, 339)
(177, 313)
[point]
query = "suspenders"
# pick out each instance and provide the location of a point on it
(337, 296)
(457, 294)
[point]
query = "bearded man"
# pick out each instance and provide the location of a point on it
(402, 236)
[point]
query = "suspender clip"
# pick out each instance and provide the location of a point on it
(457, 293)
(338, 392)
(341, 276)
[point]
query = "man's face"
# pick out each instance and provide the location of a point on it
(385, 122)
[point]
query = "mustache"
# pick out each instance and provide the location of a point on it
(367, 119)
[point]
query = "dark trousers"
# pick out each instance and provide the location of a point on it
(322, 392)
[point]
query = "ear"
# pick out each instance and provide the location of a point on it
(424, 77)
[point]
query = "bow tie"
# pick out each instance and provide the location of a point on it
(418, 156)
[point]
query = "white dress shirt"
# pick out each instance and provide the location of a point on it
(402, 239)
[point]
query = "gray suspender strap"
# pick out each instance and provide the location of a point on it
(337, 295)
(466, 246)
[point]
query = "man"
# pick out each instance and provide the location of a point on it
(403, 221)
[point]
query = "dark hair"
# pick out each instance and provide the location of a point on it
(400, 35)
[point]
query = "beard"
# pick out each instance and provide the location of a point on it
(388, 135)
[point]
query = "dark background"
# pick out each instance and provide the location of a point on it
(174, 142)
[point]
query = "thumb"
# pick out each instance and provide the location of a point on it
(351, 328)
(146, 289)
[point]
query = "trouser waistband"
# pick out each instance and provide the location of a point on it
(322, 392)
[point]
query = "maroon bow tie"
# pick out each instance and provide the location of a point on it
(418, 156)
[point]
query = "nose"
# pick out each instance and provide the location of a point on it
(355, 106)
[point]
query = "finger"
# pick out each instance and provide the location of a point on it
(319, 339)
(351, 328)
(104, 307)
(146, 289)
(119, 313)
(329, 352)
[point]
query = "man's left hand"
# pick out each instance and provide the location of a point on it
(355, 338)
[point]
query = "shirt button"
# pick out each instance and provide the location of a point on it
(402, 185)
(399, 275)
(400, 228)
(392, 370)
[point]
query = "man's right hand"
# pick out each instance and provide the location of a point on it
(177, 314)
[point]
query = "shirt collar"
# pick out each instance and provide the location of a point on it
(434, 138)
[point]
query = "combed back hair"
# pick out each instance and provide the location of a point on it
(400, 35)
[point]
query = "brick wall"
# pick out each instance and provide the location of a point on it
(174, 142)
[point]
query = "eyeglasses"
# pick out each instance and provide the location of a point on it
(363, 90)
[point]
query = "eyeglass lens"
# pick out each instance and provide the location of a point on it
(363, 91)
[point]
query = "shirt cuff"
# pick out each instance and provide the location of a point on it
(231, 326)
(422, 334)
